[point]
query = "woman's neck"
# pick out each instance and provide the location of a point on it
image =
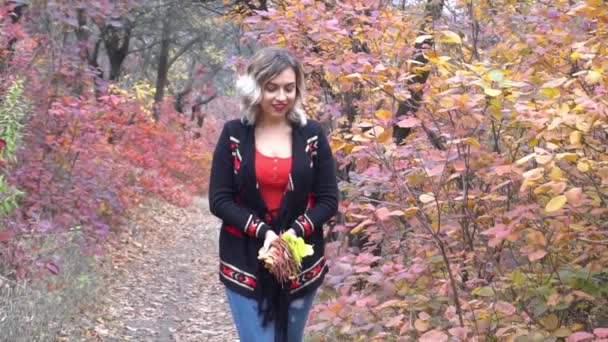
(272, 122)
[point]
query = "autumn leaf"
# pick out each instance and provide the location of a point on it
(409, 122)
(435, 335)
(555, 83)
(601, 332)
(593, 77)
(580, 336)
(505, 308)
(574, 196)
(383, 114)
(550, 322)
(496, 75)
(537, 255)
(6, 235)
(460, 332)
(556, 203)
(484, 291)
(449, 37)
(427, 198)
(421, 325)
(360, 226)
(492, 92)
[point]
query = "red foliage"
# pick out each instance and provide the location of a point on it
(87, 157)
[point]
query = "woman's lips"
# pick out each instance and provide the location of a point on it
(279, 108)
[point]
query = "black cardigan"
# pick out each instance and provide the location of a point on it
(310, 199)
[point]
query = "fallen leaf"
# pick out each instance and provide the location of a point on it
(434, 335)
(556, 203)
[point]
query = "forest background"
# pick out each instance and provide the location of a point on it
(471, 138)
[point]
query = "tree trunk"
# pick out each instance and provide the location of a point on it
(83, 34)
(116, 41)
(432, 12)
(15, 15)
(163, 67)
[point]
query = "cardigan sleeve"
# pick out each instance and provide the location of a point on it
(223, 192)
(325, 193)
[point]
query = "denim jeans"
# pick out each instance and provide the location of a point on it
(249, 323)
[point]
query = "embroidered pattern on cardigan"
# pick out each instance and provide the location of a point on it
(311, 148)
(253, 226)
(305, 225)
(308, 276)
(237, 276)
(236, 155)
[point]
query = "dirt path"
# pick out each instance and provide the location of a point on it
(164, 285)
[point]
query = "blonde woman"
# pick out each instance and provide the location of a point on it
(272, 172)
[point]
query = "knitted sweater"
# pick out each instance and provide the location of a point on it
(310, 199)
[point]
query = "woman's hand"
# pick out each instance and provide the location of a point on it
(268, 238)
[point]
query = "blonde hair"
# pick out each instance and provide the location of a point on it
(266, 64)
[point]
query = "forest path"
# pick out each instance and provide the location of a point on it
(163, 285)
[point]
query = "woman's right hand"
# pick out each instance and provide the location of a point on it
(268, 239)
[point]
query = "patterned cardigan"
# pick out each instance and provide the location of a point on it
(310, 199)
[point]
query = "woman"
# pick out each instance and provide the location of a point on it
(272, 173)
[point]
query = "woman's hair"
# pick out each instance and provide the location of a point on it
(263, 66)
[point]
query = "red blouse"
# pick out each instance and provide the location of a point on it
(273, 175)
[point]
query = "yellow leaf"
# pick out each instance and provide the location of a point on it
(550, 322)
(575, 137)
(446, 102)
(492, 92)
(556, 174)
(337, 145)
(449, 37)
(421, 325)
(472, 142)
(427, 198)
(593, 77)
(583, 165)
(571, 157)
(542, 189)
(384, 114)
(562, 332)
(410, 211)
(543, 158)
(385, 137)
(550, 92)
(360, 226)
(354, 76)
(556, 203)
(525, 159)
(575, 56)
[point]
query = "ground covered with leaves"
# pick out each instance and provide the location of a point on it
(162, 282)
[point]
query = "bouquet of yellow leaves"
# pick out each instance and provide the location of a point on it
(284, 256)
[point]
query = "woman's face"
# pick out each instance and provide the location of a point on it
(279, 95)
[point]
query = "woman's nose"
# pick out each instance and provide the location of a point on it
(281, 95)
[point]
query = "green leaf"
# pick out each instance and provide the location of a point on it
(492, 92)
(298, 247)
(496, 75)
(484, 291)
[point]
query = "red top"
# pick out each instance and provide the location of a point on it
(273, 175)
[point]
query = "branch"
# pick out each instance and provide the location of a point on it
(184, 48)
(595, 242)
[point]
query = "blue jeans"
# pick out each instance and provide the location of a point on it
(249, 323)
